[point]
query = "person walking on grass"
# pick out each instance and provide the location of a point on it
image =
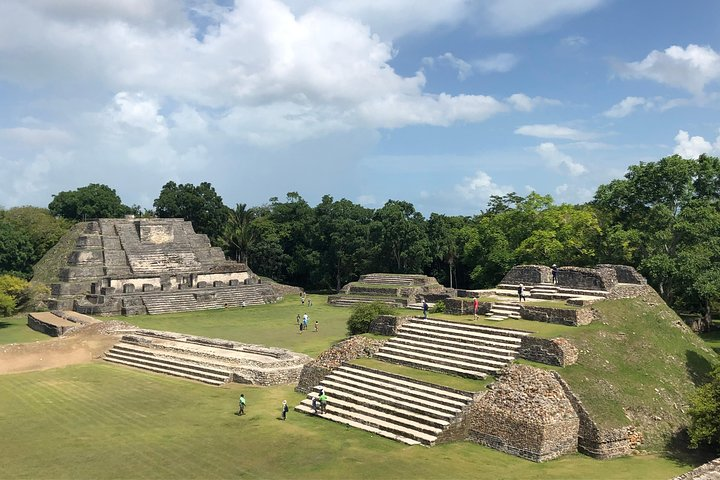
(316, 325)
(241, 405)
(425, 309)
(284, 411)
(475, 307)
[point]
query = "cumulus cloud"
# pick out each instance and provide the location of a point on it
(692, 147)
(690, 68)
(559, 160)
(553, 131)
(524, 103)
(626, 106)
(479, 188)
(501, 62)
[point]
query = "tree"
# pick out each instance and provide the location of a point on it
(41, 228)
(11, 292)
(200, 205)
(444, 236)
(239, 233)
(16, 251)
(705, 413)
(400, 238)
(93, 201)
(363, 314)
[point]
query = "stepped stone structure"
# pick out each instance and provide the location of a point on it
(57, 322)
(207, 360)
(148, 266)
(526, 413)
(399, 290)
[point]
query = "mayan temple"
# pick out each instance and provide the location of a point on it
(148, 266)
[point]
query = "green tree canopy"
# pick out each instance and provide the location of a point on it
(93, 201)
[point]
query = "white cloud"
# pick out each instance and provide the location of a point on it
(559, 160)
(480, 188)
(464, 69)
(692, 147)
(561, 189)
(690, 68)
(515, 16)
(37, 137)
(574, 42)
(523, 103)
(553, 131)
(626, 106)
(137, 111)
(501, 63)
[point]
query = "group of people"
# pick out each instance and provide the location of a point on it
(319, 402)
(303, 322)
(304, 298)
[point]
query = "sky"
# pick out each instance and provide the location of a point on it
(438, 103)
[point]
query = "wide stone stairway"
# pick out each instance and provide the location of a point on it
(174, 363)
(204, 299)
(449, 347)
(387, 404)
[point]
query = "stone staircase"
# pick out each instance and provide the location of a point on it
(389, 405)
(169, 363)
(387, 279)
(503, 310)
(352, 300)
(549, 291)
(203, 299)
(460, 349)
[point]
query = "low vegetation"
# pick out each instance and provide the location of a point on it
(364, 313)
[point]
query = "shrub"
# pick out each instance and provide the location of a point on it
(439, 307)
(364, 313)
(705, 413)
(16, 293)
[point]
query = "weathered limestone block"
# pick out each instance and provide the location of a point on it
(626, 274)
(86, 257)
(557, 351)
(587, 278)
(86, 241)
(464, 306)
(528, 275)
(387, 324)
(562, 316)
(526, 413)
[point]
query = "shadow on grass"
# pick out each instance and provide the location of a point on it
(678, 451)
(5, 324)
(698, 368)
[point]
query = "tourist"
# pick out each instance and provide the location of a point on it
(521, 293)
(241, 406)
(475, 307)
(302, 298)
(425, 308)
(323, 401)
(244, 304)
(305, 321)
(316, 325)
(314, 404)
(309, 302)
(297, 319)
(554, 270)
(284, 411)
(301, 324)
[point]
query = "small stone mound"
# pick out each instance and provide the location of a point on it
(347, 350)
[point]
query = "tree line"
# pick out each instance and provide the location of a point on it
(662, 218)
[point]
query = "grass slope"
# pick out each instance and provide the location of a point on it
(103, 421)
(15, 330)
(47, 270)
(638, 363)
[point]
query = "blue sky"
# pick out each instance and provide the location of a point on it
(438, 103)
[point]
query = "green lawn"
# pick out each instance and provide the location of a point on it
(15, 330)
(103, 421)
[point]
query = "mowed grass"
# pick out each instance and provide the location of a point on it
(15, 330)
(104, 421)
(272, 325)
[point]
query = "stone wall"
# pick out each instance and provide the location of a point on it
(587, 278)
(599, 442)
(345, 351)
(464, 306)
(708, 471)
(625, 290)
(525, 413)
(528, 275)
(557, 351)
(387, 324)
(626, 274)
(562, 316)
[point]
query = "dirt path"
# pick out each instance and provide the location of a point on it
(82, 346)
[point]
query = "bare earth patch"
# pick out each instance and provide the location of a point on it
(83, 345)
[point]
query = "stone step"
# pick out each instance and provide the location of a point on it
(168, 354)
(357, 424)
(419, 385)
(420, 332)
(462, 348)
(478, 373)
(466, 335)
(507, 305)
(387, 414)
(439, 417)
(506, 312)
(179, 364)
(171, 372)
(407, 398)
(441, 357)
(474, 328)
(459, 343)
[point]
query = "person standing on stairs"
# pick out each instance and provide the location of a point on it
(554, 270)
(521, 293)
